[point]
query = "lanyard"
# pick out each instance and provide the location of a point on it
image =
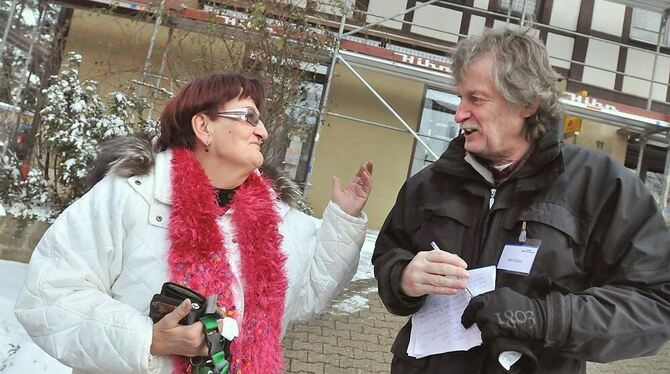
(217, 347)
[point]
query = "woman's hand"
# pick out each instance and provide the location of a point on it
(353, 198)
(169, 337)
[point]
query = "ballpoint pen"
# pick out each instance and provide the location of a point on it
(434, 245)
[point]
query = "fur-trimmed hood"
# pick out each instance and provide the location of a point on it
(127, 156)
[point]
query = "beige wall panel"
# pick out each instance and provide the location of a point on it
(344, 144)
(608, 17)
(639, 64)
(602, 138)
(380, 9)
(483, 4)
(114, 50)
(560, 46)
(662, 75)
(565, 13)
(477, 25)
(603, 55)
(337, 7)
(438, 18)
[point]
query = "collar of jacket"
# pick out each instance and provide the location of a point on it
(162, 191)
(542, 166)
(128, 156)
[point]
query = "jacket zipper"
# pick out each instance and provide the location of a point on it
(492, 198)
(483, 229)
(487, 215)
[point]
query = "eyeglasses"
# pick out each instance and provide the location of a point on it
(248, 115)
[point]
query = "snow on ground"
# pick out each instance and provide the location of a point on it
(18, 354)
(365, 270)
(354, 303)
(359, 301)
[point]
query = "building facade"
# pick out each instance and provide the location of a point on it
(390, 76)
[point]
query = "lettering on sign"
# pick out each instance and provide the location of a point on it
(423, 62)
(590, 102)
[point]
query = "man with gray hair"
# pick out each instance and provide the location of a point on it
(582, 253)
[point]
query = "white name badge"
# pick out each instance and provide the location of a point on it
(519, 258)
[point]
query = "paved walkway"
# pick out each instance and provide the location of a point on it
(342, 341)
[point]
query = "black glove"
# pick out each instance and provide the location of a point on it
(504, 312)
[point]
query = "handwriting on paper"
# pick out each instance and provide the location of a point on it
(436, 327)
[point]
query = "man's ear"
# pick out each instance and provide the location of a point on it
(200, 126)
(529, 110)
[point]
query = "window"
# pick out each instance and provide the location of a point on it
(437, 127)
(296, 157)
(644, 26)
(532, 7)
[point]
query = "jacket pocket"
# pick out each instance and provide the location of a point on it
(448, 223)
(560, 255)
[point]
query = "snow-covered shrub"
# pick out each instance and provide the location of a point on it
(75, 120)
(128, 109)
(73, 123)
(29, 197)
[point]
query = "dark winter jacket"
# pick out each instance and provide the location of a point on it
(605, 249)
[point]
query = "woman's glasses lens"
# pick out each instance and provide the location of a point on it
(252, 117)
(246, 114)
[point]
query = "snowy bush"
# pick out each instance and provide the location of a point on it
(74, 121)
(28, 197)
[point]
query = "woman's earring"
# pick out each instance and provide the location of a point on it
(206, 147)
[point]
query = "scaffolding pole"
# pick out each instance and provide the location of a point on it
(509, 13)
(388, 106)
(377, 124)
(324, 100)
(643, 144)
(29, 58)
(661, 33)
(147, 61)
(665, 184)
(338, 56)
(523, 13)
(8, 26)
(162, 69)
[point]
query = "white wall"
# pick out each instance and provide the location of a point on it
(564, 14)
(386, 8)
(639, 64)
(483, 4)
(662, 74)
(560, 46)
(608, 17)
(299, 3)
(477, 25)
(438, 18)
(603, 55)
(337, 7)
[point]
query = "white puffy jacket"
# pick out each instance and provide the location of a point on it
(91, 278)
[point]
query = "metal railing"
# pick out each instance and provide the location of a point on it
(338, 57)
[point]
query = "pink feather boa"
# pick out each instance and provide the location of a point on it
(197, 259)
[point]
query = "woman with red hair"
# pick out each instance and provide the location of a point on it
(199, 213)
